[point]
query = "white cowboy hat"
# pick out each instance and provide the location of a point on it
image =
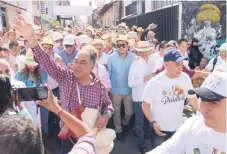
(98, 41)
(132, 35)
(122, 38)
(28, 59)
(143, 46)
(104, 136)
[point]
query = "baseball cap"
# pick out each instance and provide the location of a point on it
(69, 40)
(213, 89)
(57, 36)
(223, 47)
(84, 39)
(173, 55)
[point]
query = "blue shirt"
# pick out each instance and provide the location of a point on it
(66, 58)
(118, 70)
(29, 83)
(58, 51)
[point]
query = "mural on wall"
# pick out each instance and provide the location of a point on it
(207, 22)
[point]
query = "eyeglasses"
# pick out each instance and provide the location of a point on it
(68, 46)
(5, 72)
(121, 45)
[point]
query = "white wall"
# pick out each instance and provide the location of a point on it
(28, 15)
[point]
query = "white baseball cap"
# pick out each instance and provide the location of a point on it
(213, 89)
(69, 40)
(57, 36)
(84, 39)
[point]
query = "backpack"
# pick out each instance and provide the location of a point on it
(214, 63)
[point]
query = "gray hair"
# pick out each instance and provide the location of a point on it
(89, 49)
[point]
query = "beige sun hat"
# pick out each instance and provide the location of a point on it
(28, 59)
(122, 38)
(143, 46)
(140, 29)
(106, 36)
(47, 40)
(90, 28)
(132, 35)
(98, 41)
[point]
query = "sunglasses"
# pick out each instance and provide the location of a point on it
(68, 46)
(121, 45)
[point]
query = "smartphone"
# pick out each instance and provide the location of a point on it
(32, 94)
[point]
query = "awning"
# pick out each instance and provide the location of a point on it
(9, 4)
(129, 16)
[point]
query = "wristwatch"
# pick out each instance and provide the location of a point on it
(109, 115)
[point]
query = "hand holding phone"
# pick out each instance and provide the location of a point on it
(32, 94)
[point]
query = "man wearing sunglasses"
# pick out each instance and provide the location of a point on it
(58, 43)
(70, 52)
(205, 133)
(118, 66)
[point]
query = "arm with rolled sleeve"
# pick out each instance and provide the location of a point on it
(176, 144)
(56, 71)
(133, 79)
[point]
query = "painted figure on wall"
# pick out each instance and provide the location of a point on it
(204, 21)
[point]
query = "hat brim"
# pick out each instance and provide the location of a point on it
(206, 94)
(180, 59)
(143, 49)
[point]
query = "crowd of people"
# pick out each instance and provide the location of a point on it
(92, 73)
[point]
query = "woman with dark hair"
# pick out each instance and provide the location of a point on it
(7, 99)
(31, 74)
(194, 55)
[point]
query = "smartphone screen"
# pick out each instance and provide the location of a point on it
(32, 94)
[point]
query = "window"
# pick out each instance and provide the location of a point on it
(47, 10)
(131, 8)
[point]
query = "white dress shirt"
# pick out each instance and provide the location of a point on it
(138, 70)
(103, 59)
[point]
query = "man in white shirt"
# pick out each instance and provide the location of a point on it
(14, 52)
(141, 71)
(102, 57)
(218, 61)
(206, 133)
(183, 47)
(159, 55)
(164, 97)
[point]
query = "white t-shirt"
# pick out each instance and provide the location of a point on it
(194, 137)
(103, 59)
(220, 61)
(138, 70)
(166, 106)
(101, 73)
(222, 68)
(155, 57)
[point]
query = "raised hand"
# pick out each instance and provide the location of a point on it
(25, 29)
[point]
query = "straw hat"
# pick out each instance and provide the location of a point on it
(140, 29)
(143, 46)
(134, 27)
(47, 40)
(122, 38)
(98, 41)
(90, 28)
(122, 25)
(132, 35)
(28, 59)
(11, 31)
(106, 36)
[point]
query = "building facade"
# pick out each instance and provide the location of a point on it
(205, 20)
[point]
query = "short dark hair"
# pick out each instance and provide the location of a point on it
(180, 41)
(19, 136)
(13, 44)
(162, 44)
(6, 99)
